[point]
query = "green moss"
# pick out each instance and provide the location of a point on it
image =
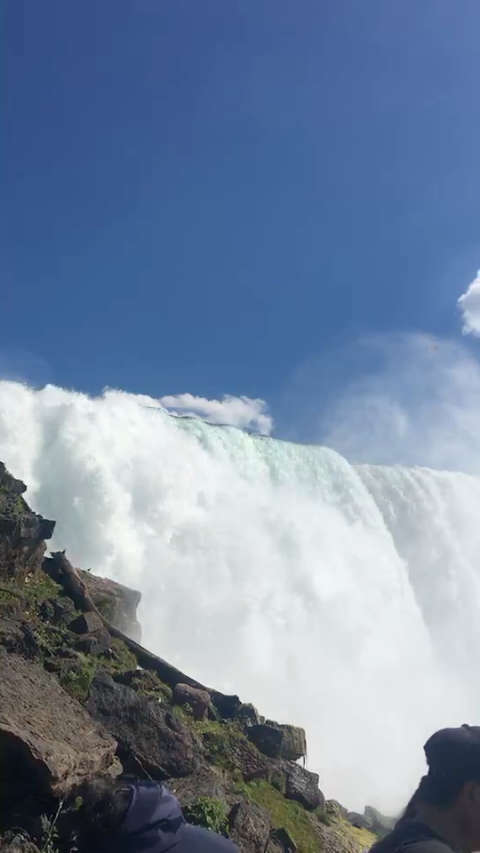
(12, 506)
(284, 814)
(9, 595)
(38, 587)
(181, 715)
(121, 658)
(78, 678)
(362, 838)
(209, 812)
(148, 684)
(50, 638)
(222, 742)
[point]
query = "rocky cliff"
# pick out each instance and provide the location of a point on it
(79, 696)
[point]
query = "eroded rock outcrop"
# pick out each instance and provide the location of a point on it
(22, 532)
(50, 740)
(150, 739)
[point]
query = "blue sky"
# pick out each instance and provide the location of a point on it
(205, 196)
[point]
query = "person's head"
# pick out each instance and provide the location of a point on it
(104, 806)
(127, 814)
(451, 789)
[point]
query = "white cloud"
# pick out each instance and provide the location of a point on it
(414, 401)
(469, 304)
(243, 412)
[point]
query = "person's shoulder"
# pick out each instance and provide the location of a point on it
(429, 845)
(411, 837)
(199, 840)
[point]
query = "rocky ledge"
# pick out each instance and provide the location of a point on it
(80, 697)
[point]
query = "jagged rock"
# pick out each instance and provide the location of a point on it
(205, 781)
(249, 826)
(335, 810)
(302, 786)
(59, 611)
(47, 739)
(86, 623)
(95, 638)
(278, 741)
(149, 738)
(96, 643)
(280, 842)
(17, 842)
(116, 602)
(248, 715)
(199, 700)
(18, 637)
(22, 532)
(378, 823)
(358, 820)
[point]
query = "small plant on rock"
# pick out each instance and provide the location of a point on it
(208, 812)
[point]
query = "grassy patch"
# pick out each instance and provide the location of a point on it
(284, 814)
(147, 683)
(78, 678)
(222, 742)
(362, 838)
(121, 658)
(38, 587)
(209, 812)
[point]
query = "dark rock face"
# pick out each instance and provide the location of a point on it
(22, 532)
(116, 602)
(94, 639)
(149, 738)
(198, 700)
(86, 623)
(248, 715)
(278, 741)
(302, 786)
(249, 826)
(47, 739)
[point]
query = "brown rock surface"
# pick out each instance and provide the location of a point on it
(149, 738)
(199, 700)
(47, 740)
(250, 826)
(116, 602)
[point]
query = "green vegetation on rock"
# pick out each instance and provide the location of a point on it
(285, 814)
(209, 812)
(222, 742)
(78, 678)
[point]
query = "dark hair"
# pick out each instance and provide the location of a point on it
(435, 789)
(104, 804)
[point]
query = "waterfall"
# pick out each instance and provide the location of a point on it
(337, 597)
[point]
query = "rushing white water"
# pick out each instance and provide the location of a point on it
(342, 599)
